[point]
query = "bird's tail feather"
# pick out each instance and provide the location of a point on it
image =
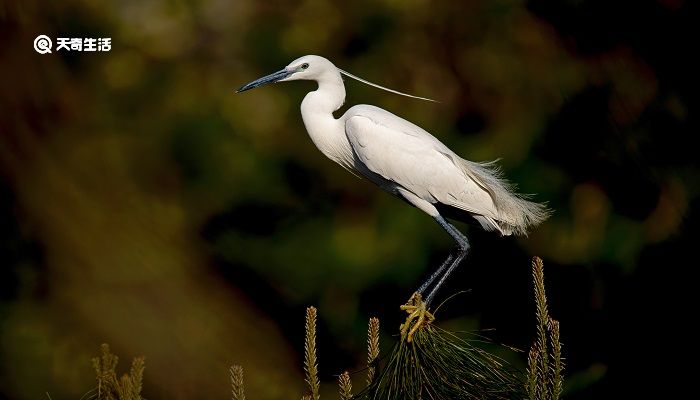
(516, 214)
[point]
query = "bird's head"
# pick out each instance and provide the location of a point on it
(303, 68)
(314, 68)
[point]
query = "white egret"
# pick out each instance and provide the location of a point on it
(408, 162)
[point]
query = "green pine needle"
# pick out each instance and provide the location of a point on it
(439, 365)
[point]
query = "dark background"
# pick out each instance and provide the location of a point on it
(146, 205)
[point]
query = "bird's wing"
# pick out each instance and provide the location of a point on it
(413, 159)
(383, 117)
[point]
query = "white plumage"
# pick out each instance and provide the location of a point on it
(404, 159)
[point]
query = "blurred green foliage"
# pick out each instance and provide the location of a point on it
(147, 205)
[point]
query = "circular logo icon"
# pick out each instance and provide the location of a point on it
(42, 44)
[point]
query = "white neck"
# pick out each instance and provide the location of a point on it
(329, 96)
(317, 109)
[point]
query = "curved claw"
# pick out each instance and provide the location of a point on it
(416, 309)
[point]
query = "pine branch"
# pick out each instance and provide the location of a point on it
(124, 389)
(542, 314)
(105, 371)
(237, 388)
(439, 365)
(136, 376)
(345, 386)
(532, 375)
(372, 348)
(545, 380)
(128, 387)
(310, 363)
(557, 382)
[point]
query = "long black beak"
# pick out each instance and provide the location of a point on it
(277, 76)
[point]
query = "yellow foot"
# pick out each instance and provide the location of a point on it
(416, 309)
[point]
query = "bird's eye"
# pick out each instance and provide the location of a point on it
(304, 65)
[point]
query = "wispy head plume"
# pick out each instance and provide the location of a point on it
(384, 88)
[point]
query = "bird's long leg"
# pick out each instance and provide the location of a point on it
(462, 249)
(416, 307)
(435, 274)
